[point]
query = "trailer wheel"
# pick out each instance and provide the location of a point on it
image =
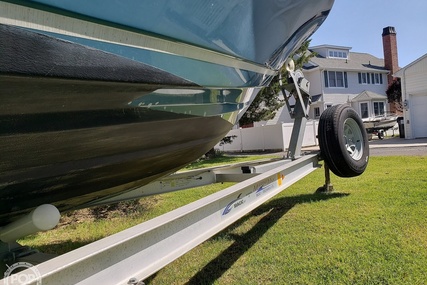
(343, 141)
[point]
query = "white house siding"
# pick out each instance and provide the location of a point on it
(334, 99)
(315, 82)
(354, 87)
(415, 77)
(340, 95)
(418, 107)
(414, 93)
(344, 95)
(355, 63)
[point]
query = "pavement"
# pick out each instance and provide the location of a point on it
(388, 142)
(387, 146)
(397, 142)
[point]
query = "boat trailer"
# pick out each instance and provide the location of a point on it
(132, 255)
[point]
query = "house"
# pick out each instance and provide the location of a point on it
(369, 104)
(414, 97)
(339, 76)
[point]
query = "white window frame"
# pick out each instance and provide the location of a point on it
(316, 112)
(367, 109)
(336, 79)
(364, 77)
(334, 53)
(380, 109)
(377, 77)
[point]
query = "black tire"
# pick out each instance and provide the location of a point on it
(343, 141)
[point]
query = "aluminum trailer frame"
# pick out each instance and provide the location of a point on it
(134, 254)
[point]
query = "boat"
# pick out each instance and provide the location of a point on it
(379, 124)
(100, 97)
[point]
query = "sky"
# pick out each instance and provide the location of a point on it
(359, 24)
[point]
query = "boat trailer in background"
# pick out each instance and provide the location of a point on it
(380, 124)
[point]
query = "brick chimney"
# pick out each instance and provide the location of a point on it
(390, 52)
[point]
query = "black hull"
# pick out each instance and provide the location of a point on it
(94, 103)
(71, 147)
(73, 127)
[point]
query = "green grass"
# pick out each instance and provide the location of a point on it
(226, 159)
(371, 230)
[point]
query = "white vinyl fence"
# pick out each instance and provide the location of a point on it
(268, 137)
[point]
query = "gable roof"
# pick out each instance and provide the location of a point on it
(356, 62)
(400, 72)
(368, 96)
(330, 46)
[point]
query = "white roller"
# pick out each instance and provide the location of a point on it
(290, 64)
(42, 218)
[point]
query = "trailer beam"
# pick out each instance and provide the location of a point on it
(138, 252)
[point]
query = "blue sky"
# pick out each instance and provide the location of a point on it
(359, 24)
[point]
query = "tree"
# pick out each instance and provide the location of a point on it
(213, 153)
(267, 102)
(394, 94)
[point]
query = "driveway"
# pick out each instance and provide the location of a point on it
(391, 147)
(397, 146)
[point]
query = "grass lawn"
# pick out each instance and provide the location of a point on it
(371, 230)
(227, 159)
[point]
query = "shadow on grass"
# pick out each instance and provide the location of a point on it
(208, 162)
(62, 246)
(275, 210)
(272, 210)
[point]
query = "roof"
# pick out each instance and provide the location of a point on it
(368, 96)
(356, 62)
(401, 71)
(315, 98)
(330, 46)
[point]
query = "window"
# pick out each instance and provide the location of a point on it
(337, 54)
(336, 79)
(340, 79)
(370, 78)
(364, 110)
(316, 112)
(379, 108)
(362, 78)
(332, 80)
(378, 78)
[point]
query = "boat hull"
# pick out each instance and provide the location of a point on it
(79, 124)
(68, 158)
(95, 102)
(382, 124)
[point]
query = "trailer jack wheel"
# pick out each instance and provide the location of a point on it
(343, 141)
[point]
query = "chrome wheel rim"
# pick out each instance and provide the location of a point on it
(353, 139)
